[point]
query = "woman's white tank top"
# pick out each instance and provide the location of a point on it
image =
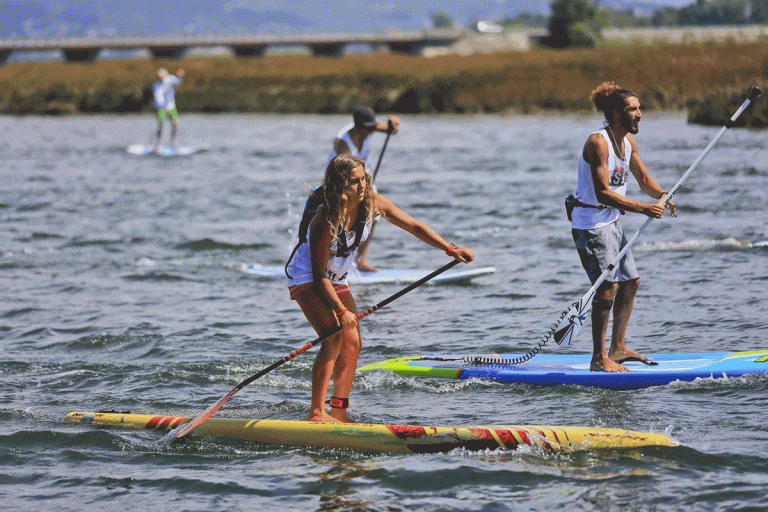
(300, 267)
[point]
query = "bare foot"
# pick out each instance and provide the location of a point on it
(363, 266)
(606, 364)
(621, 356)
(341, 415)
(321, 417)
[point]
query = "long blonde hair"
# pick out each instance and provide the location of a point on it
(335, 183)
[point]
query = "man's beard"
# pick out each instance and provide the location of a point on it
(627, 124)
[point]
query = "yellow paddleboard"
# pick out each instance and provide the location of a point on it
(382, 438)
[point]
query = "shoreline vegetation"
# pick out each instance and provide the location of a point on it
(707, 79)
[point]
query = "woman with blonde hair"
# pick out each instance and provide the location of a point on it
(337, 219)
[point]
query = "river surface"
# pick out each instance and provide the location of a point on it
(123, 289)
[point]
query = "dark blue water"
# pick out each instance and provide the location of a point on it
(123, 289)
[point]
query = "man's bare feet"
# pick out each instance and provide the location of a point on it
(624, 355)
(321, 417)
(606, 364)
(363, 266)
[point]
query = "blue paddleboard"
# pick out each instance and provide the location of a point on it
(573, 369)
(149, 149)
(384, 275)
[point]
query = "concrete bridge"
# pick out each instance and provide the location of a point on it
(85, 49)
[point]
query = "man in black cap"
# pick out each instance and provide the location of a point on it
(354, 139)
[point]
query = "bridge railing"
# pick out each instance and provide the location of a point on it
(88, 48)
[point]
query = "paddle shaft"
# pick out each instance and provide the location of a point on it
(752, 96)
(188, 427)
(390, 129)
(585, 303)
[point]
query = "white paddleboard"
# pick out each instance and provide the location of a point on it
(149, 149)
(385, 275)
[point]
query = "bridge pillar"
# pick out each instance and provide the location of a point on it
(4, 54)
(167, 52)
(80, 54)
(412, 48)
(327, 49)
(249, 51)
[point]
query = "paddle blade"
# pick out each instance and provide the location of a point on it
(182, 431)
(572, 321)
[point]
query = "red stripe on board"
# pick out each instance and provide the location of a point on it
(152, 423)
(547, 445)
(166, 421)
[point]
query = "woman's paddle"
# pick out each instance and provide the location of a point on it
(179, 433)
(573, 318)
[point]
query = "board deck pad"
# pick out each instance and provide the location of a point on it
(149, 149)
(382, 438)
(573, 369)
(383, 276)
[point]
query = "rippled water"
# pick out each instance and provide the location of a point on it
(123, 289)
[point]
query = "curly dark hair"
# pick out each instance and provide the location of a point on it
(609, 96)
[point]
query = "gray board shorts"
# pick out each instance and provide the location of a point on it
(599, 247)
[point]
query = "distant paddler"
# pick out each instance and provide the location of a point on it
(164, 92)
(608, 157)
(337, 218)
(354, 139)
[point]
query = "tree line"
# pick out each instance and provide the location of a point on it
(578, 22)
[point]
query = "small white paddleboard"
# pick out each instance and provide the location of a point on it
(385, 275)
(149, 149)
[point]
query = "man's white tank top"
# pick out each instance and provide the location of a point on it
(362, 153)
(300, 267)
(590, 218)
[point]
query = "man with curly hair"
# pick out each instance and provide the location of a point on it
(609, 156)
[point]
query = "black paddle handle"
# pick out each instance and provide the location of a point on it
(390, 129)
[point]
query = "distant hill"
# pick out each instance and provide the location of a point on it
(45, 18)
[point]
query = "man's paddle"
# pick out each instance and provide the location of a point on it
(363, 249)
(573, 318)
(179, 433)
(390, 130)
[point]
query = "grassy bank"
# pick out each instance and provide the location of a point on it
(664, 76)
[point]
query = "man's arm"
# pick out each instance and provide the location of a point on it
(340, 147)
(596, 155)
(384, 127)
(644, 179)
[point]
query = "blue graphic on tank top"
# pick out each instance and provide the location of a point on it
(619, 176)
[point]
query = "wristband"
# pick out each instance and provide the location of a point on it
(451, 249)
(341, 313)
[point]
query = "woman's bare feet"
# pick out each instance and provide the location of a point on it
(321, 417)
(341, 415)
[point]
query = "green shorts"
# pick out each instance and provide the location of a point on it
(163, 114)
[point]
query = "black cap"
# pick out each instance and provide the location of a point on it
(365, 117)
